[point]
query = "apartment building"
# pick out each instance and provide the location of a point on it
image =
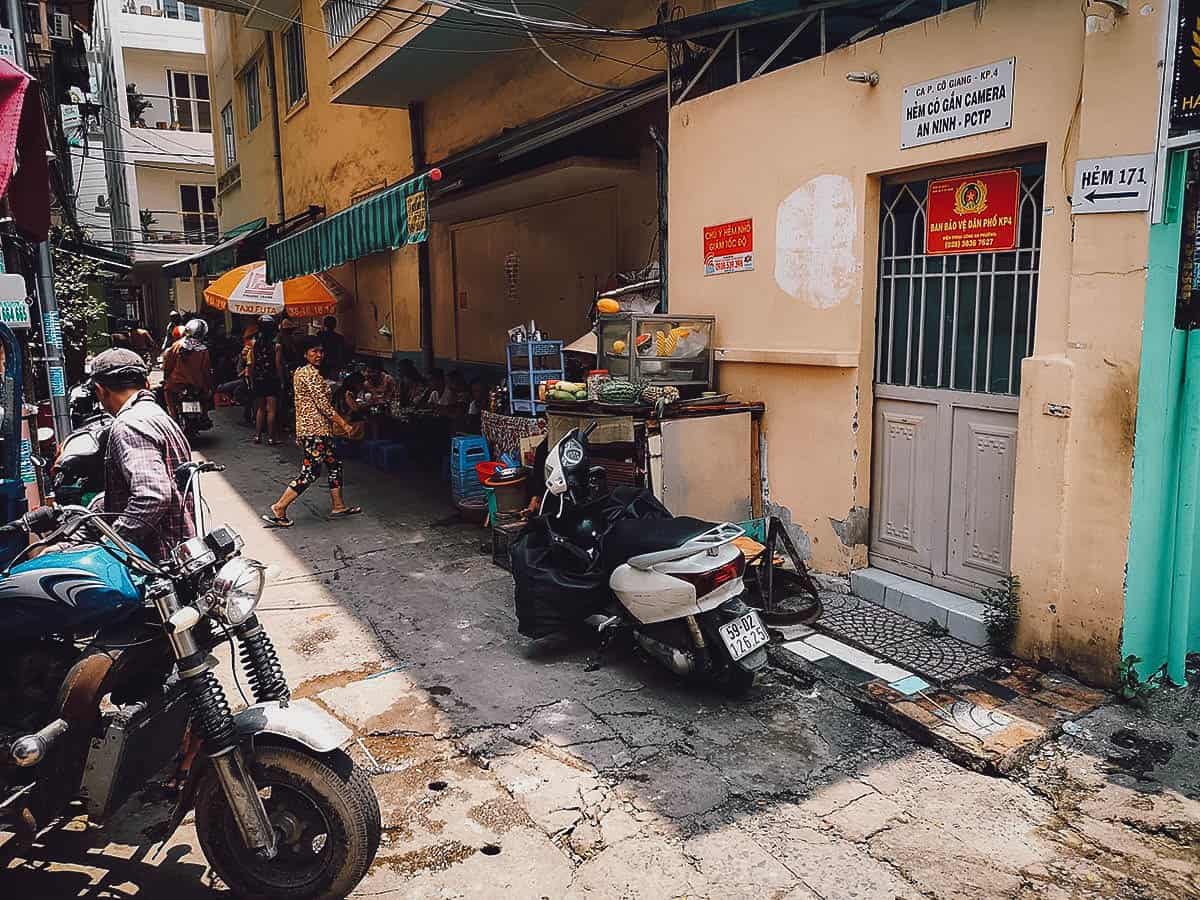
(153, 139)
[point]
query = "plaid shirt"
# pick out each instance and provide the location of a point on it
(145, 447)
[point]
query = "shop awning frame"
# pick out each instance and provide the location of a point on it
(117, 263)
(396, 216)
(766, 35)
(220, 257)
(332, 242)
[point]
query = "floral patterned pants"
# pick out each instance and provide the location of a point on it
(318, 451)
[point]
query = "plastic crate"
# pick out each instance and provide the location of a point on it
(522, 379)
(465, 451)
(465, 486)
(535, 348)
(529, 364)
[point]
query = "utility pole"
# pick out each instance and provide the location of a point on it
(52, 345)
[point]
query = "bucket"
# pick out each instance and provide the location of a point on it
(511, 496)
(486, 470)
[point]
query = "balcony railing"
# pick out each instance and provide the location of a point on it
(343, 16)
(175, 114)
(167, 9)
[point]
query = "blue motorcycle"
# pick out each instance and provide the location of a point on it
(106, 678)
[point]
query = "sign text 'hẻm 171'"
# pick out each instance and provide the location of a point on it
(973, 101)
(973, 213)
(729, 247)
(1113, 184)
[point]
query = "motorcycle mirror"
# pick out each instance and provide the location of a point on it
(590, 428)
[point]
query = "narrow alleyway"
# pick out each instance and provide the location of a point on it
(580, 775)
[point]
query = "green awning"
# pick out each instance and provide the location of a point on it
(387, 221)
(219, 258)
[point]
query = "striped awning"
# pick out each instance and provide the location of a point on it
(390, 219)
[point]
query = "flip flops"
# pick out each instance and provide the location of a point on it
(345, 513)
(274, 521)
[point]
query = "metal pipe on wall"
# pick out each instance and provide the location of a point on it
(416, 131)
(276, 150)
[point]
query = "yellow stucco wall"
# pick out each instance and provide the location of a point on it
(1083, 88)
(331, 155)
(230, 47)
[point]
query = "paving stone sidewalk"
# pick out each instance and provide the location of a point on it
(599, 776)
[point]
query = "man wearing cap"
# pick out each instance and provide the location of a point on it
(145, 447)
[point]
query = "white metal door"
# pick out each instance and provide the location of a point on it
(951, 332)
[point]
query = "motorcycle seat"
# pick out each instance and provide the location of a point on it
(634, 537)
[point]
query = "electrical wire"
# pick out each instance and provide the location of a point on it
(491, 12)
(117, 152)
(554, 62)
(164, 167)
(340, 38)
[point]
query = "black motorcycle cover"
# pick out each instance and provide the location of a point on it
(557, 583)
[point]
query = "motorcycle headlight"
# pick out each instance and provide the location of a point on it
(237, 589)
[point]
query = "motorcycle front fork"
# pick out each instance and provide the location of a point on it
(213, 719)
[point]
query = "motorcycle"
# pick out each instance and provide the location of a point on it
(192, 416)
(82, 403)
(676, 581)
(77, 473)
(106, 678)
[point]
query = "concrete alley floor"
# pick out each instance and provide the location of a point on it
(582, 776)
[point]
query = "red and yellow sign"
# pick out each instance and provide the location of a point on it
(729, 247)
(973, 213)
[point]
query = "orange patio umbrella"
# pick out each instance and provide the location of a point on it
(245, 291)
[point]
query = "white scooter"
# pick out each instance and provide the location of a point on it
(677, 581)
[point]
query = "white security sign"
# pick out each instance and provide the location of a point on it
(1113, 184)
(974, 101)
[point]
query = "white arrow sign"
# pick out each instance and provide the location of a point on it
(1113, 184)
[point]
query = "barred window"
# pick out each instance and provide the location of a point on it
(253, 99)
(293, 63)
(227, 134)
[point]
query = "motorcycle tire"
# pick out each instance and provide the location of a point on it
(327, 825)
(732, 680)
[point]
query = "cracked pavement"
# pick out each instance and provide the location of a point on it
(589, 774)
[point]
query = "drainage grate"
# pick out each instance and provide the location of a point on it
(908, 644)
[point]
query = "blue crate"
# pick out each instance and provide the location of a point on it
(535, 348)
(466, 483)
(378, 452)
(366, 449)
(466, 450)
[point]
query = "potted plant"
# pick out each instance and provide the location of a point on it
(147, 217)
(138, 104)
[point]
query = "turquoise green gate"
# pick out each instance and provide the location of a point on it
(1162, 592)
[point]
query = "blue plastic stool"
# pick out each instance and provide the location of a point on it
(393, 457)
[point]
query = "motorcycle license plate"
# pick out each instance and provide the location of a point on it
(743, 635)
(192, 406)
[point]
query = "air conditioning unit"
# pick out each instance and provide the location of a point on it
(60, 27)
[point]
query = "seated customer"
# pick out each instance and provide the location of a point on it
(452, 400)
(478, 393)
(379, 385)
(409, 383)
(345, 397)
(432, 398)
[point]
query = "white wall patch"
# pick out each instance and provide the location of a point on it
(815, 229)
